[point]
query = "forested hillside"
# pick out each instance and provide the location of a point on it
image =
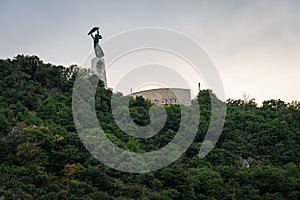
(42, 157)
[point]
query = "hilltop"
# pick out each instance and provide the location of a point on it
(42, 157)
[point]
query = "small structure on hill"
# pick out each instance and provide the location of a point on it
(166, 96)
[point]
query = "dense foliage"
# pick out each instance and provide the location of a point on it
(42, 157)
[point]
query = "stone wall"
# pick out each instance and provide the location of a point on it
(164, 96)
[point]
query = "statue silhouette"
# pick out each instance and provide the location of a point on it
(98, 50)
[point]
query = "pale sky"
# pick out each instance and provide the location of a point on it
(255, 45)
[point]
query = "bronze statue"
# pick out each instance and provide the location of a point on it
(98, 51)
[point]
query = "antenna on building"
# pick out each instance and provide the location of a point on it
(130, 90)
(199, 89)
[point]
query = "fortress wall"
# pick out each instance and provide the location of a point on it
(165, 96)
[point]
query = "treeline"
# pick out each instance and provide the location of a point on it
(42, 157)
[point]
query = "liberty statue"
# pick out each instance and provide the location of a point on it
(97, 63)
(98, 51)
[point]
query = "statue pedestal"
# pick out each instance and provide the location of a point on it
(98, 67)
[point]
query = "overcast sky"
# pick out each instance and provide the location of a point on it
(255, 45)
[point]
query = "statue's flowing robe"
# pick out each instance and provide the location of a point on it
(98, 51)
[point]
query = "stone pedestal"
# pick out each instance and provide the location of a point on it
(98, 67)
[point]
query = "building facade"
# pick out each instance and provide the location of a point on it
(165, 96)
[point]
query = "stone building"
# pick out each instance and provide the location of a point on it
(165, 96)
